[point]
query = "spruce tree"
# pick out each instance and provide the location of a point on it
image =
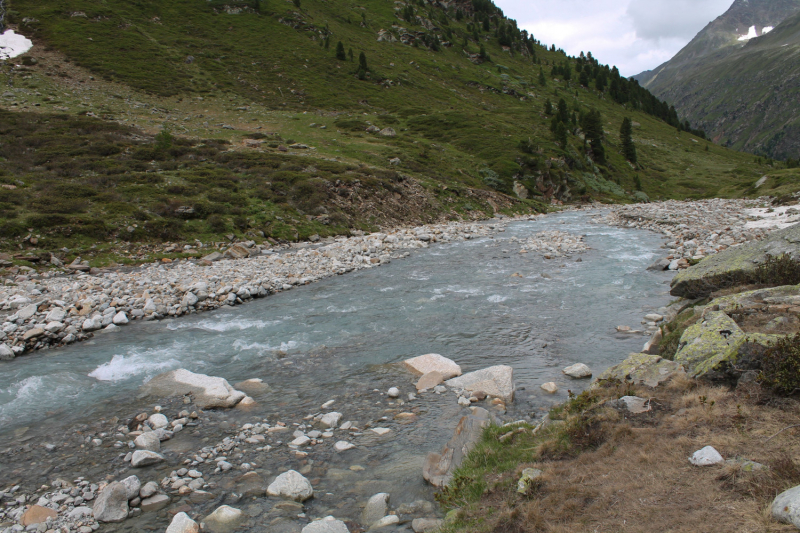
(626, 137)
(561, 135)
(350, 54)
(340, 53)
(362, 62)
(563, 111)
(548, 107)
(483, 54)
(584, 78)
(592, 125)
(542, 79)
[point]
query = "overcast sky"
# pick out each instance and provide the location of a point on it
(635, 35)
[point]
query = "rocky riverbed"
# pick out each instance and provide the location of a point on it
(697, 229)
(55, 308)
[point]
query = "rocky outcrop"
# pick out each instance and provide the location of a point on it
(734, 265)
(643, 369)
(208, 391)
(439, 467)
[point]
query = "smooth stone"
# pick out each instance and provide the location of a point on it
(149, 489)
(142, 458)
(430, 380)
(394, 392)
(578, 371)
(330, 419)
(120, 319)
(181, 523)
(327, 525)
(343, 446)
(433, 362)
(224, 518)
(155, 503)
(786, 507)
(376, 508)
(496, 381)
(380, 431)
(388, 520)
(132, 485)
(707, 456)
(148, 441)
(111, 505)
(158, 421)
(550, 387)
(291, 485)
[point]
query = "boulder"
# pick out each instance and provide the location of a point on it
(786, 507)
(430, 380)
(660, 265)
(132, 485)
(734, 264)
(376, 508)
(388, 132)
(6, 353)
(433, 362)
(181, 523)
(111, 505)
(33, 333)
(439, 467)
(237, 251)
(578, 371)
(652, 346)
(707, 456)
(149, 489)
(27, 312)
(223, 519)
(213, 256)
(643, 369)
(37, 514)
(143, 458)
(157, 421)
(120, 319)
(291, 485)
(496, 381)
(148, 441)
(208, 391)
(327, 525)
(709, 342)
(91, 324)
(331, 419)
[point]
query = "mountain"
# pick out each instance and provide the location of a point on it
(739, 78)
(186, 119)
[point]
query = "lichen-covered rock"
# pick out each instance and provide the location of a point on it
(718, 270)
(708, 342)
(643, 369)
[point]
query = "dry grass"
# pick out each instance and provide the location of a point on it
(634, 476)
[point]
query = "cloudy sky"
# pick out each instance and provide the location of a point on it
(635, 35)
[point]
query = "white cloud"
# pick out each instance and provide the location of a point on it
(635, 35)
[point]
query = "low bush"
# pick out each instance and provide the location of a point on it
(780, 366)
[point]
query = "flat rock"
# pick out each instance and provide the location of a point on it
(430, 380)
(208, 391)
(343, 446)
(643, 369)
(291, 485)
(786, 507)
(426, 525)
(142, 458)
(181, 523)
(111, 505)
(376, 508)
(439, 467)
(717, 271)
(155, 503)
(433, 362)
(706, 457)
(578, 371)
(327, 525)
(496, 381)
(37, 514)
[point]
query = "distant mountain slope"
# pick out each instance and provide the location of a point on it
(738, 79)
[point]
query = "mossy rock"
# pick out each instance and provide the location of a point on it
(735, 264)
(786, 294)
(643, 369)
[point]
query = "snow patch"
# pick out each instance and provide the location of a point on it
(767, 30)
(751, 34)
(12, 44)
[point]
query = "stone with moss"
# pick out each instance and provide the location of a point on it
(735, 264)
(643, 369)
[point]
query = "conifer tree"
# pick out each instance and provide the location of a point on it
(362, 61)
(350, 54)
(560, 135)
(483, 55)
(563, 111)
(340, 53)
(584, 78)
(626, 137)
(592, 124)
(548, 107)
(542, 79)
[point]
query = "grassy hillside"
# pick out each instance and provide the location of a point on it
(742, 93)
(242, 87)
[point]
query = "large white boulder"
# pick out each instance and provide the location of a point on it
(496, 381)
(208, 391)
(291, 485)
(433, 362)
(706, 457)
(578, 371)
(786, 507)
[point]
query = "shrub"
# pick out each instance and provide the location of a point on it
(777, 271)
(780, 366)
(217, 224)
